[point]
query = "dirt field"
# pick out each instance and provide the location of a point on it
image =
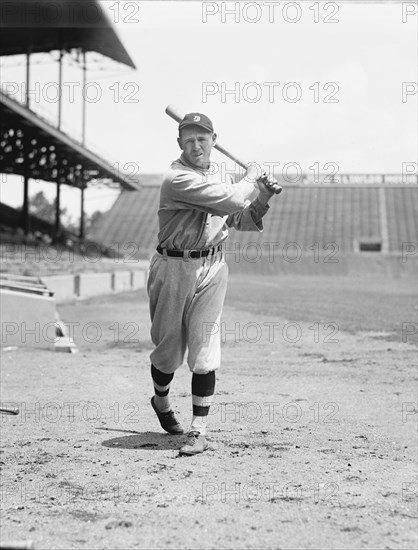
(313, 435)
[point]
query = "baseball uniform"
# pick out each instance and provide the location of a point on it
(188, 274)
(187, 294)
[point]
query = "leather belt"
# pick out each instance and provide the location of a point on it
(195, 254)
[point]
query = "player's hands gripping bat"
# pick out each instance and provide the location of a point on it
(268, 184)
(265, 182)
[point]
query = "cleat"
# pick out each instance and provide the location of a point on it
(168, 421)
(196, 444)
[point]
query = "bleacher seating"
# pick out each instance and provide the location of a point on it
(320, 215)
(36, 255)
(132, 219)
(402, 211)
(303, 215)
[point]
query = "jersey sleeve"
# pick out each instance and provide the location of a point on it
(210, 195)
(250, 218)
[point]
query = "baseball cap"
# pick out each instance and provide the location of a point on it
(196, 119)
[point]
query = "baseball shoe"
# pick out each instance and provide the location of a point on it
(196, 444)
(168, 421)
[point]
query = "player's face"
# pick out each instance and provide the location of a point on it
(196, 144)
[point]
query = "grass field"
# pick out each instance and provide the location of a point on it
(354, 304)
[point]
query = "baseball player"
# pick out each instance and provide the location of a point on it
(188, 274)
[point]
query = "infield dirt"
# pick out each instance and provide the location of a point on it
(312, 435)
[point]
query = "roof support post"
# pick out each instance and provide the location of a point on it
(83, 132)
(57, 227)
(82, 213)
(28, 52)
(60, 89)
(25, 207)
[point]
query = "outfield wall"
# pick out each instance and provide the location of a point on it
(87, 285)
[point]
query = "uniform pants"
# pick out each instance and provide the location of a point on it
(186, 299)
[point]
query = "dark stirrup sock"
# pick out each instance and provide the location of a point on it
(162, 383)
(203, 388)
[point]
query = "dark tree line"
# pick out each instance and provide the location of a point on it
(42, 208)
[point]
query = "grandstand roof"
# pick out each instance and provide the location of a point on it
(43, 26)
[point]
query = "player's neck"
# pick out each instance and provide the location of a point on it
(197, 167)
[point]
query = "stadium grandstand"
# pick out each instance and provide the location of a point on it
(43, 263)
(368, 215)
(33, 147)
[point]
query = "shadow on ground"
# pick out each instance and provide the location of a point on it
(153, 441)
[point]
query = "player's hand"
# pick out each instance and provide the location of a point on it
(268, 185)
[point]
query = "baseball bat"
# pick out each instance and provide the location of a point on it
(174, 113)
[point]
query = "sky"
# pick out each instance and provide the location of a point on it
(297, 84)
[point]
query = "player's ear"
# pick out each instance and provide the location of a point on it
(214, 138)
(179, 142)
